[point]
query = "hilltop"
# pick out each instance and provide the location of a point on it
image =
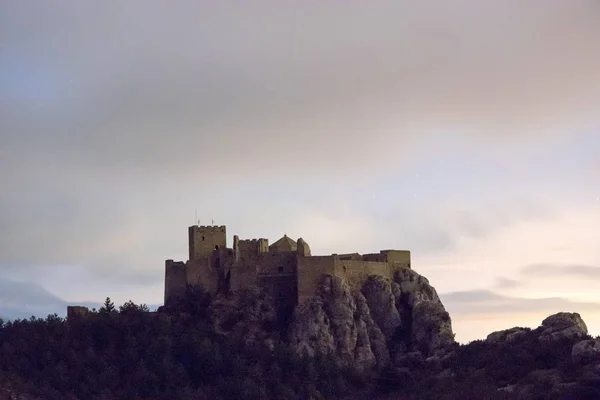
(259, 322)
(391, 339)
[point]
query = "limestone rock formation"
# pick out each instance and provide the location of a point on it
(427, 322)
(586, 351)
(338, 322)
(368, 326)
(563, 325)
(508, 335)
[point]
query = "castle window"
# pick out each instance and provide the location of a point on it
(217, 247)
(203, 238)
(280, 269)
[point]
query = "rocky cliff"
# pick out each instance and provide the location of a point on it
(366, 327)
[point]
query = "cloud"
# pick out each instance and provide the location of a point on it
(220, 86)
(485, 302)
(506, 283)
(477, 313)
(550, 270)
(118, 120)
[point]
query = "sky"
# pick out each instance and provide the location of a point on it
(464, 131)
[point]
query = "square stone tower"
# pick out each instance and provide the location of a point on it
(204, 239)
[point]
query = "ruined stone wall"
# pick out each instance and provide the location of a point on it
(377, 257)
(211, 272)
(277, 263)
(242, 276)
(249, 249)
(77, 312)
(244, 269)
(175, 280)
(356, 272)
(201, 272)
(286, 269)
(310, 272)
(204, 239)
(398, 257)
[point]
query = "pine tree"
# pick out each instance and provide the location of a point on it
(108, 307)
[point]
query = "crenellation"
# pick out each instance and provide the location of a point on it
(350, 256)
(286, 268)
(213, 228)
(254, 245)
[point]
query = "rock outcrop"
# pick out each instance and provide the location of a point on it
(586, 351)
(563, 325)
(508, 335)
(339, 323)
(369, 326)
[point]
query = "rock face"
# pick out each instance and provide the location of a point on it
(508, 335)
(337, 322)
(586, 351)
(367, 327)
(248, 315)
(563, 325)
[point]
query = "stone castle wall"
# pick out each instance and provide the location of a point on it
(175, 279)
(355, 273)
(310, 272)
(291, 276)
(253, 247)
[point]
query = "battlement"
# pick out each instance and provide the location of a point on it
(210, 228)
(254, 241)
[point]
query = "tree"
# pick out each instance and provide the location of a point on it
(129, 306)
(108, 307)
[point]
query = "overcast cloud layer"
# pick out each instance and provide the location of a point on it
(467, 132)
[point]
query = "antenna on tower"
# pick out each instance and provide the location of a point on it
(213, 222)
(197, 220)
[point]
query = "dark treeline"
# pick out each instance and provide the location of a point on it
(175, 353)
(130, 353)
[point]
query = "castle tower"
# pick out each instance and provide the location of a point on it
(303, 249)
(204, 239)
(175, 280)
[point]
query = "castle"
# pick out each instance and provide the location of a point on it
(286, 268)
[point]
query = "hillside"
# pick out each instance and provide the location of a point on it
(392, 339)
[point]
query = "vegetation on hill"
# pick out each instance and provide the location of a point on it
(176, 353)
